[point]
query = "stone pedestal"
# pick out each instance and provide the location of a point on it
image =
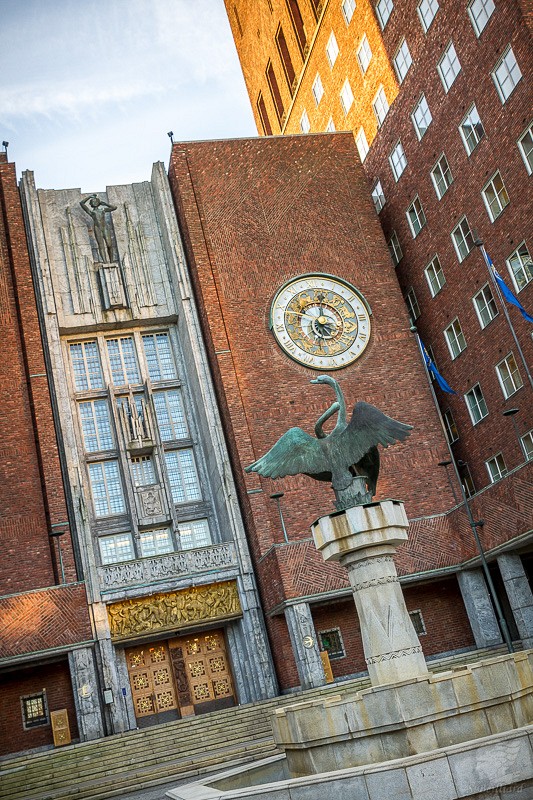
(364, 539)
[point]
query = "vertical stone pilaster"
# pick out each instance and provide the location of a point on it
(304, 645)
(479, 609)
(519, 594)
(86, 693)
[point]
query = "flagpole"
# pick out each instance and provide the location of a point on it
(479, 243)
(473, 525)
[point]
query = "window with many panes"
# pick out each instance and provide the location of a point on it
(421, 117)
(471, 130)
(383, 11)
(509, 375)
(348, 7)
(346, 96)
(364, 54)
(332, 49)
(331, 642)
(402, 61)
(435, 276)
(34, 710)
(397, 160)
(395, 249)
(495, 196)
(318, 89)
(412, 305)
(485, 306)
(142, 470)
(475, 402)
(155, 543)
(170, 415)
(416, 217)
(525, 145)
(426, 11)
(362, 144)
(182, 475)
(496, 468)
(527, 445)
(441, 176)
(86, 366)
(305, 125)
(449, 67)
(95, 425)
(462, 239)
(378, 197)
(455, 338)
(194, 534)
(118, 547)
(506, 74)
(380, 104)
(520, 266)
(123, 361)
(480, 11)
(451, 428)
(158, 353)
(106, 488)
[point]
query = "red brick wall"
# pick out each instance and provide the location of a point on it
(55, 679)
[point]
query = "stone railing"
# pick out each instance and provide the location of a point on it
(172, 565)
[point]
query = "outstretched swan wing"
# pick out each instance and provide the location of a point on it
(367, 428)
(295, 452)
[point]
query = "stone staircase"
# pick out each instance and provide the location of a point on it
(186, 748)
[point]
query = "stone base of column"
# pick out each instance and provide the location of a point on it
(364, 540)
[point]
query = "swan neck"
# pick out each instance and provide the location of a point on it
(341, 417)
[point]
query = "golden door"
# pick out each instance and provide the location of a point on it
(207, 670)
(152, 685)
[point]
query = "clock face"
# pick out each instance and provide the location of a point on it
(320, 321)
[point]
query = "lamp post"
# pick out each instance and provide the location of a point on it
(277, 497)
(511, 412)
(452, 487)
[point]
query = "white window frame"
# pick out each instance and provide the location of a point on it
(305, 125)
(506, 70)
(191, 490)
(479, 403)
(527, 153)
(123, 358)
(500, 468)
(484, 302)
(449, 67)
(164, 410)
(395, 249)
(480, 11)
(455, 338)
(93, 378)
(384, 9)
(419, 216)
(332, 50)
(348, 8)
(427, 15)
(318, 89)
(194, 534)
(500, 197)
(364, 54)
(509, 375)
(380, 104)
(155, 542)
(522, 273)
(162, 349)
(464, 238)
(442, 177)
(115, 539)
(378, 196)
(110, 499)
(413, 307)
(362, 144)
(402, 61)
(421, 113)
(96, 425)
(473, 128)
(527, 445)
(398, 160)
(435, 276)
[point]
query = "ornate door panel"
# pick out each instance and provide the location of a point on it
(207, 670)
(152, 685)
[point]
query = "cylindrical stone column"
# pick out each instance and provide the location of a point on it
(364, 540)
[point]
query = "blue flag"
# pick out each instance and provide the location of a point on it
(504, 289)
(432, 369)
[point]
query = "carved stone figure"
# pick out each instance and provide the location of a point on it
(348, 456)
(103, 228)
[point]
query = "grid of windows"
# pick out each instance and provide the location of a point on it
(441, 176)
(364, 54)
(485, 306)
(142, 469)
(477, 407)
(380, 104)
(480, 11)
(331, 642)
(509, 375)
(525, 145)
(155, 543)
(412, 305)
(506, 74)
(421, 117)
(346, 96)
(318, 89)
(471, 130)
(398, 161)
(34, 710)
(455, 338)
(520, 266)
(378, 197)
(170, 415)
(95, 425)
(362, 144)
(123, 361)
(462, 238)
(332, 49)
(527, 444)
(426, 11)
(305, 125)
(416, 217)
(194, 534)
(394, 248)
(182, 475)
(118, 547)
(402, 61)
(383, 11)
(348, 7)
(106, 488)
(158, 352)
(86, 366)
(449, 67)
(495, 196)
(496, 468)
(435, 276)
(451, 428)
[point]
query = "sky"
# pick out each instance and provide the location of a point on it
(90, 88)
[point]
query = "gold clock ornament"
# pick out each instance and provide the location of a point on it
(321, 321)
